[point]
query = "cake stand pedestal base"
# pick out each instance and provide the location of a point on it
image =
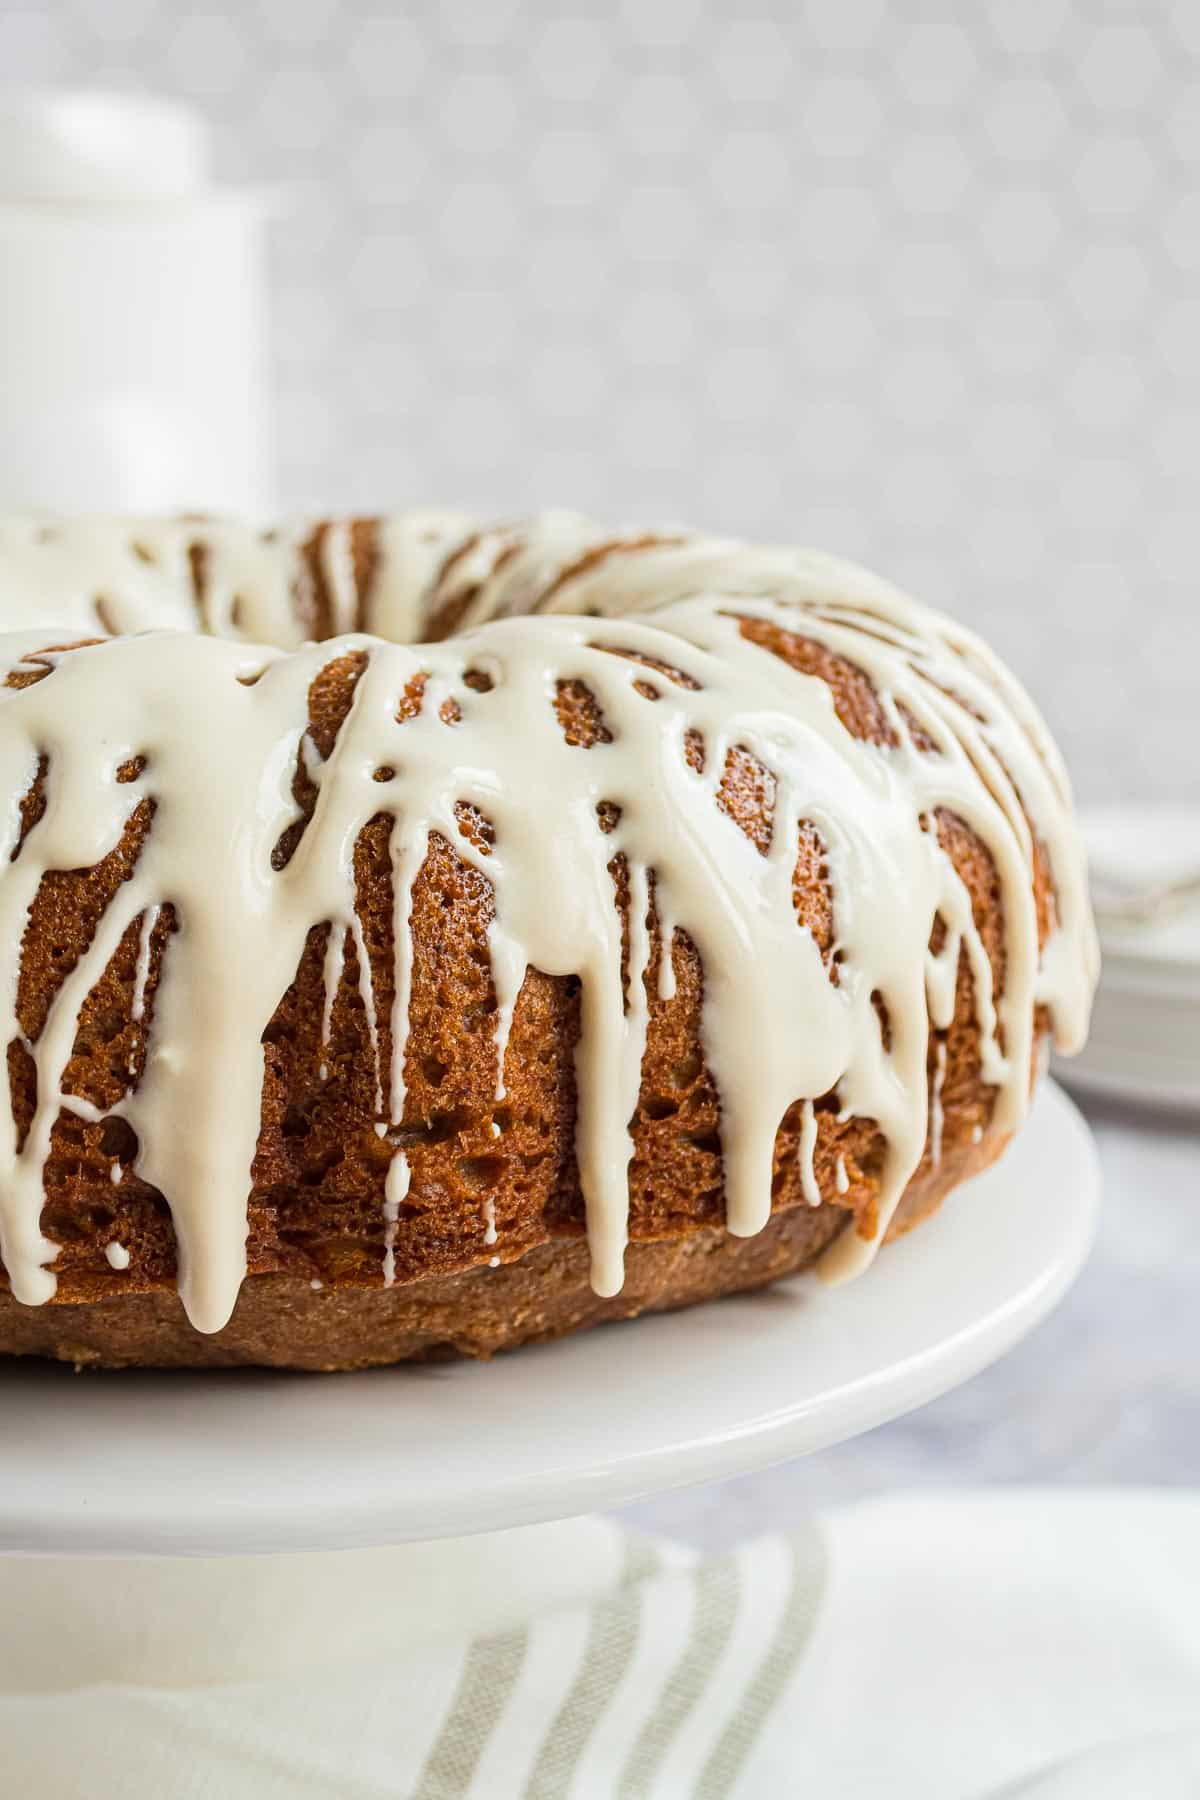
(175, 1621)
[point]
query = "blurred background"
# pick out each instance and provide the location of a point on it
(915, 282)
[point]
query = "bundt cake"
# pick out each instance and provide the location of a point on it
(423, 937)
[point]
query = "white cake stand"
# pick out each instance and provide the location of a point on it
(227, 1463)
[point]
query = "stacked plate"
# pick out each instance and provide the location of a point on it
(1145, 1039)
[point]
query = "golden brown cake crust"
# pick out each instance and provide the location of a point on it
(282, 1321)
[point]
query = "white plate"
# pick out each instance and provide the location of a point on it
(1143, 1046)
(243, 1462)
(1144, 1043)
(1145, 844)
(1142, 1050)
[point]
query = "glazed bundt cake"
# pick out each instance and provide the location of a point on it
(419, 936)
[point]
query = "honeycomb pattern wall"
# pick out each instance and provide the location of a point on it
(913, 281)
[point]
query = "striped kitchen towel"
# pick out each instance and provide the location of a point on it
(1008, 1646)
(659, 1686)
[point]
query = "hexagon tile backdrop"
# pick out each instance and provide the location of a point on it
(916, 282)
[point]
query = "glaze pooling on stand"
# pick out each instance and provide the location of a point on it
(655, 629)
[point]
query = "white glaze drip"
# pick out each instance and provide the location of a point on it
(331, 975)
(366, 988)
(399, 1179)
(807, 1151)
(937, 1116)
(219, 725)
(142, 972)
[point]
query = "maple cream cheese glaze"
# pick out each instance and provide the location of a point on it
(654, 629)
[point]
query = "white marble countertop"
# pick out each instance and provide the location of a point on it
(1107, 1391)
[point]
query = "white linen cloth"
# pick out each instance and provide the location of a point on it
(1036, 1645)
